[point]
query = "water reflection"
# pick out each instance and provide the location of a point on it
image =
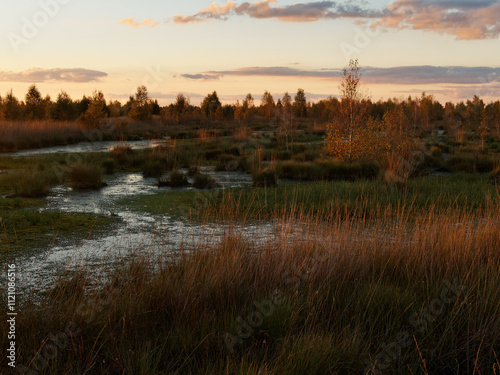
(88, 147)
(137, 233)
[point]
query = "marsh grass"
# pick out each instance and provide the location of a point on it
(33, 182)
(348, 265)
(326, 169)
(341, 303)
(363, 198)
(153, 168)
(175, 179)
(264, 177)
(19, 135)
(24, 230)
(470, 163)
(494, 177)
(84, 176)
(204, 181)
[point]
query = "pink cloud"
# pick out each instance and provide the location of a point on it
(464, 19)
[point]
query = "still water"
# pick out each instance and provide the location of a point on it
(135, 233)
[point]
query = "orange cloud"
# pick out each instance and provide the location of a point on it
(465, 19)
(134, 24)
(298, 12)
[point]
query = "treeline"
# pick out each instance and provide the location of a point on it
(91, 110)
(413, 112)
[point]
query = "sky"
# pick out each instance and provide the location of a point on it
(449, 49)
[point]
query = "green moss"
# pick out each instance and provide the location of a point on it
(173, 202)
(24, 229)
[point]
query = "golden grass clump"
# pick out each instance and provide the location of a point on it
(305, 296)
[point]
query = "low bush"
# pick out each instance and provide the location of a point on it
(84, 176)
(470, 164)
(326, 169)
(108, 166)
(204, 181)
(295, 170)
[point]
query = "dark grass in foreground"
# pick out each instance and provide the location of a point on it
(396, 298)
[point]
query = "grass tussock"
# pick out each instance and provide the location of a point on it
(326, 169)
(204, 181)
(264, 177)
(175, 179)
(318, 299)
(29, 183)
(470, 163)
(121, 152)
(494, 177)
(85, 177)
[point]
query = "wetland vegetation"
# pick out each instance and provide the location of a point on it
(379, 258)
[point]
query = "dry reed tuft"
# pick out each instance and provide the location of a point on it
(338, 293)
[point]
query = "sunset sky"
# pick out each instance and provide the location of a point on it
(446, 48)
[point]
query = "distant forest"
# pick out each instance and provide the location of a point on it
(412, 112)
